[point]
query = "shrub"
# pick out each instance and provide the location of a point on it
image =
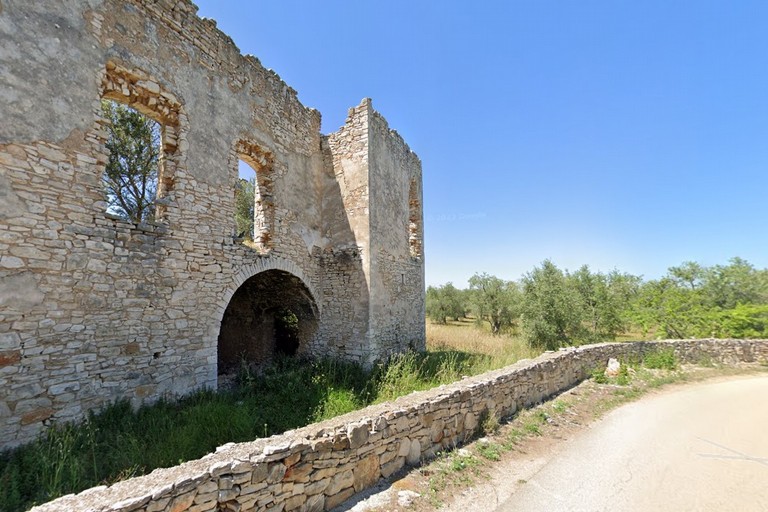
(661, 359)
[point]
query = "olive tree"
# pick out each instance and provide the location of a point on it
(495, 301)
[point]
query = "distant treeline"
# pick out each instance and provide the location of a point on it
(552, 308)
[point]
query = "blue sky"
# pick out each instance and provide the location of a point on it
(619, 134)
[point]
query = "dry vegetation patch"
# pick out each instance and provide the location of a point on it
(466, 335)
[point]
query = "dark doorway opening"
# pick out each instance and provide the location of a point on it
(286, 332)
(272, 313)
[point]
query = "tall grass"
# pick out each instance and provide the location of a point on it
(467, 337)
(119, 442)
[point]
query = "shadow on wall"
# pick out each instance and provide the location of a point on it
(271, 313)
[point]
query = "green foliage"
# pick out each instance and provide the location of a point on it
(743, 321)
(446, 301)
(623, 378)
(727, 286)
(533, 422)
(244, 207)
(488, 422)
(661, 359)
(130, 177)
(688, 275)
(489, 450)
(555, 308)
(495, 301)
(604, 301)
(695, 301)
(401, 375)
(598, 375)
(675, 311)
(552, 313)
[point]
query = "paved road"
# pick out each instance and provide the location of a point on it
(700, 448)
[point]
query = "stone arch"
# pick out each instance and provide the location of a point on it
(262, 265)
(271, 308)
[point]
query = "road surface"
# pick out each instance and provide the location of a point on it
(699, 448)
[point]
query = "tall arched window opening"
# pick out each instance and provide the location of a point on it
(254, 196)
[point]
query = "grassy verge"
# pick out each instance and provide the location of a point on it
(118, 442)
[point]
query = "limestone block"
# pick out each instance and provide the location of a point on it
(7, 261)
(470, 422)
(340, 481)
(276, 472)
(338, 499)
(392, 467)
(58, 389)
(414, 453)
(129, 504)
(299, 473)
(316, 503)
(242, 477)
(9, 341)
(5, 411)
(182, 502)
(157, 504)
(36, 415)
(317, 487)
(387, 456)
(11, 205)
(295, 502)
(366, 473)
(226, 495)
(206, 497)
(405, 447)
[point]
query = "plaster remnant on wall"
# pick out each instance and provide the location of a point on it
(61, 46)
(19, 292)
(11, 205)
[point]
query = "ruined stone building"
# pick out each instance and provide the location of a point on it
(95, 308)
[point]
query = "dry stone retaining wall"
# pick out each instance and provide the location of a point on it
(319, 466)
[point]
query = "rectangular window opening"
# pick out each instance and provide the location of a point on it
(134, 165)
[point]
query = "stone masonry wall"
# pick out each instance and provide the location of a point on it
(318, 467)
(397, 269)
(380, 183)
(95, 308)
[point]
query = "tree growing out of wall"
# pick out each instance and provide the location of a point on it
(130, 178)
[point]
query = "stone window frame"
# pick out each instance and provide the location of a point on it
(262, 161)
(140, 91)
(415, 220)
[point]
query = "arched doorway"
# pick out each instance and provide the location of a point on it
(271, 313)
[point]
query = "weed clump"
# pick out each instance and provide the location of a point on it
(598, 375)
(661, 359)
